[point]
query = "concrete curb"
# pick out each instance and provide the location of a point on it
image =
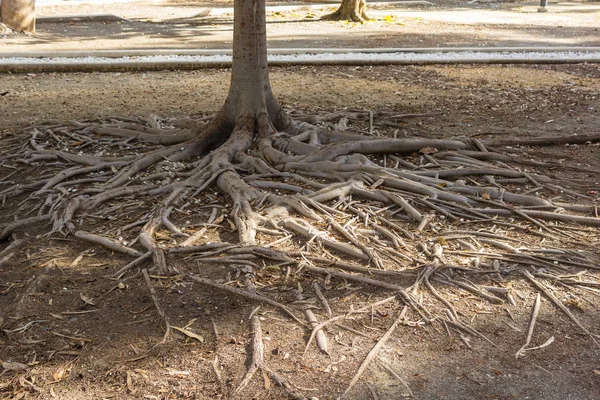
(291, 51)
(124, 63)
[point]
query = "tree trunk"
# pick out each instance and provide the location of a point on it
(250, 96)
(18, 14)
(350, 10)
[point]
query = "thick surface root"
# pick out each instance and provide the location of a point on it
(405, 215)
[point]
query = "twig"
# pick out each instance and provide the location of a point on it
(193, 238)
(108, 243)
(558, 303)
(389, 369)
(534, 314)
(319, 294)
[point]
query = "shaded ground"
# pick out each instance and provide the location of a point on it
(80, 335)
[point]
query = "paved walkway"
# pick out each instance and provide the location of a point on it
(177, 24)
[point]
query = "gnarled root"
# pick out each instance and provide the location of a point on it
(378, 208)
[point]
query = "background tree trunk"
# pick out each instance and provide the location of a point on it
(350, 10)
(18, 14)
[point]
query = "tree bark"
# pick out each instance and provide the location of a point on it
(250, 96)
(18, 14)
(350, 10)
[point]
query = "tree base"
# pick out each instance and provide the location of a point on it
(349, 10)
(402, 215)
(18, 15)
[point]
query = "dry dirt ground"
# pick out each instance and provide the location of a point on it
(69, 332)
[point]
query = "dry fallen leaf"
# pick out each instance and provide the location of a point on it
(428, 150)
(486, 196)
(597, 372)
(86, 299)
(19, 395)
(232, 225)
(13, 366)
(144, 374)
(59, 374)
(56, 316)
(267, 380)
(130, 383)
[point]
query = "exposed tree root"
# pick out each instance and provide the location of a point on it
(157, 304)
(251, 296)
(254, 191)
(374, 351)
(549, 140)
(396, 215)
(257, 362)
(559, 304)
(9, 251)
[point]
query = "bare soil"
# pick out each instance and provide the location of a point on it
(81, 335)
